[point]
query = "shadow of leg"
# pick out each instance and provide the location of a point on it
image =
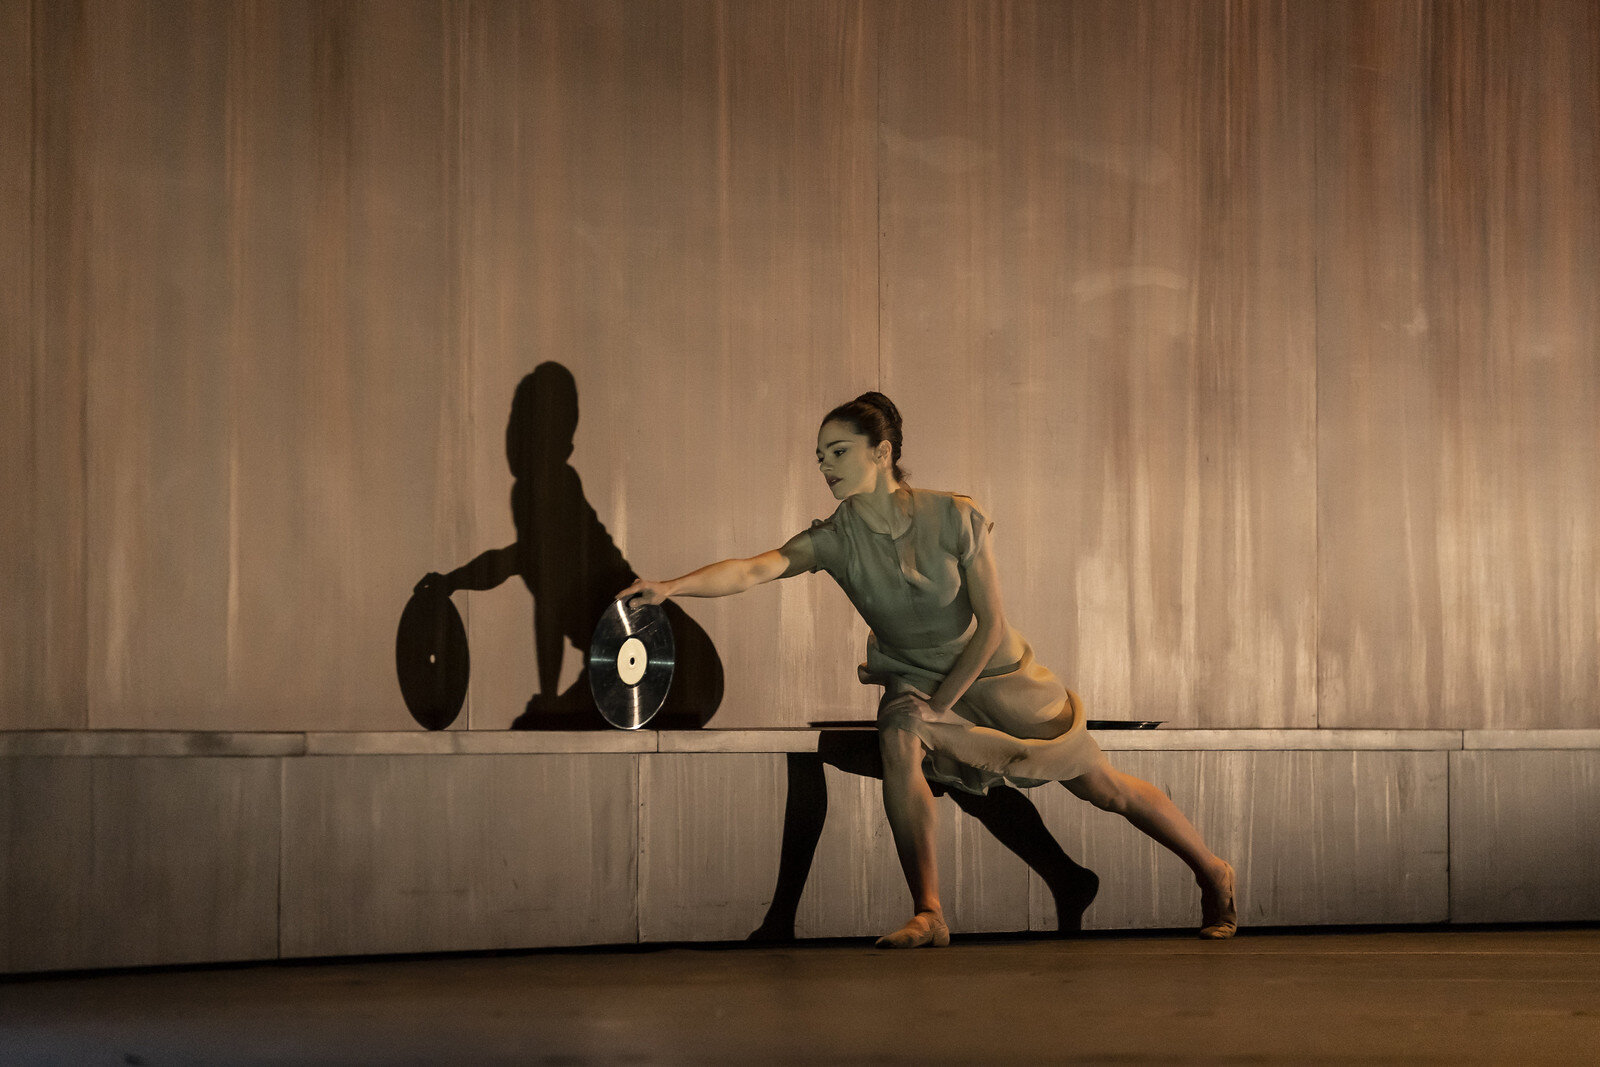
(1005, 813)
(805, 810)
(852, 751)
(1015, 823)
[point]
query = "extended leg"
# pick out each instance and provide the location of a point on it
(1153, 812)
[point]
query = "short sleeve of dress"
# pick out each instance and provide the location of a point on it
(825, 545)
(973, 528)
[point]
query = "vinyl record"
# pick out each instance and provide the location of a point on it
(630, 663)
(430, 657)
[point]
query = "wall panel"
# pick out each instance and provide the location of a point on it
(21, 669)
(42, 627)
(1459, 242)
(347, 438)
(132, 862)
(709, 840)
(258, 278)
(435, 854)
(1175, 293)
(1522, 841)
(1097, 317)
(675, 203)
(146, 159)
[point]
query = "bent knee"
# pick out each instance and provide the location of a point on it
(904, 717)
(897, 729)
(891, 722)
(897, 737)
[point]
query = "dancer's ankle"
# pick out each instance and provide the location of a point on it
(1215, 874)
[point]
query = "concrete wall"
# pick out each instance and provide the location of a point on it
(1265, 330)
(146, 848)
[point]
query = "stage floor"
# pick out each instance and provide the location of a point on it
(1504, 995)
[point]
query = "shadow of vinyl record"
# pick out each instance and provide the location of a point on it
(431, 659)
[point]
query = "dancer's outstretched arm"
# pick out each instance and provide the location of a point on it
(726, 577)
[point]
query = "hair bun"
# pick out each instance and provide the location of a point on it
(883, 404)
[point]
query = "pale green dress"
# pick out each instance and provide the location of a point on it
(1016, 722)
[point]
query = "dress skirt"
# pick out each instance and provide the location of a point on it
(1007, 727)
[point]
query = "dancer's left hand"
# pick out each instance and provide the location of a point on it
(910, 703)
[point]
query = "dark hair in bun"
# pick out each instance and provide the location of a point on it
(875, 417)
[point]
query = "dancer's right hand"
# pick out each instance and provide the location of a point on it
(643, 592)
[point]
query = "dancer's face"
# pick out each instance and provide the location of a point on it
(848, 461)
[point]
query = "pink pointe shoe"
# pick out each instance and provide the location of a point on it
(925, 928)
(1219, 916)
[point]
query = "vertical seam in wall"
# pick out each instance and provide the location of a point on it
(32, 352)
(87, 527)
(1450, 826)
(638, 846)
(459, 42)
(35, 328)
(87, 502)
(1316, 382)
(877, 176)
(283, 822)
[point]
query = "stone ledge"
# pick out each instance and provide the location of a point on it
(1530, 739)
(771, 740)
(149, 743)
(1278, 740)
(479, 742)
(132, 743)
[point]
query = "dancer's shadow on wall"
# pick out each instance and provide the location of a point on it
(1004, 812)
(573, 569)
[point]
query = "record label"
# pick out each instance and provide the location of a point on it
(631, 660)
(630, 663)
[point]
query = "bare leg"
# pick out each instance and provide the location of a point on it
(908, 802)
(1154, 813)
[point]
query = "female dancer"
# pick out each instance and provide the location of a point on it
(965, 703)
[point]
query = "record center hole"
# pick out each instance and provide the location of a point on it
(432, 658)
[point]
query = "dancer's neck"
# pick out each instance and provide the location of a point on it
(886, 507)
